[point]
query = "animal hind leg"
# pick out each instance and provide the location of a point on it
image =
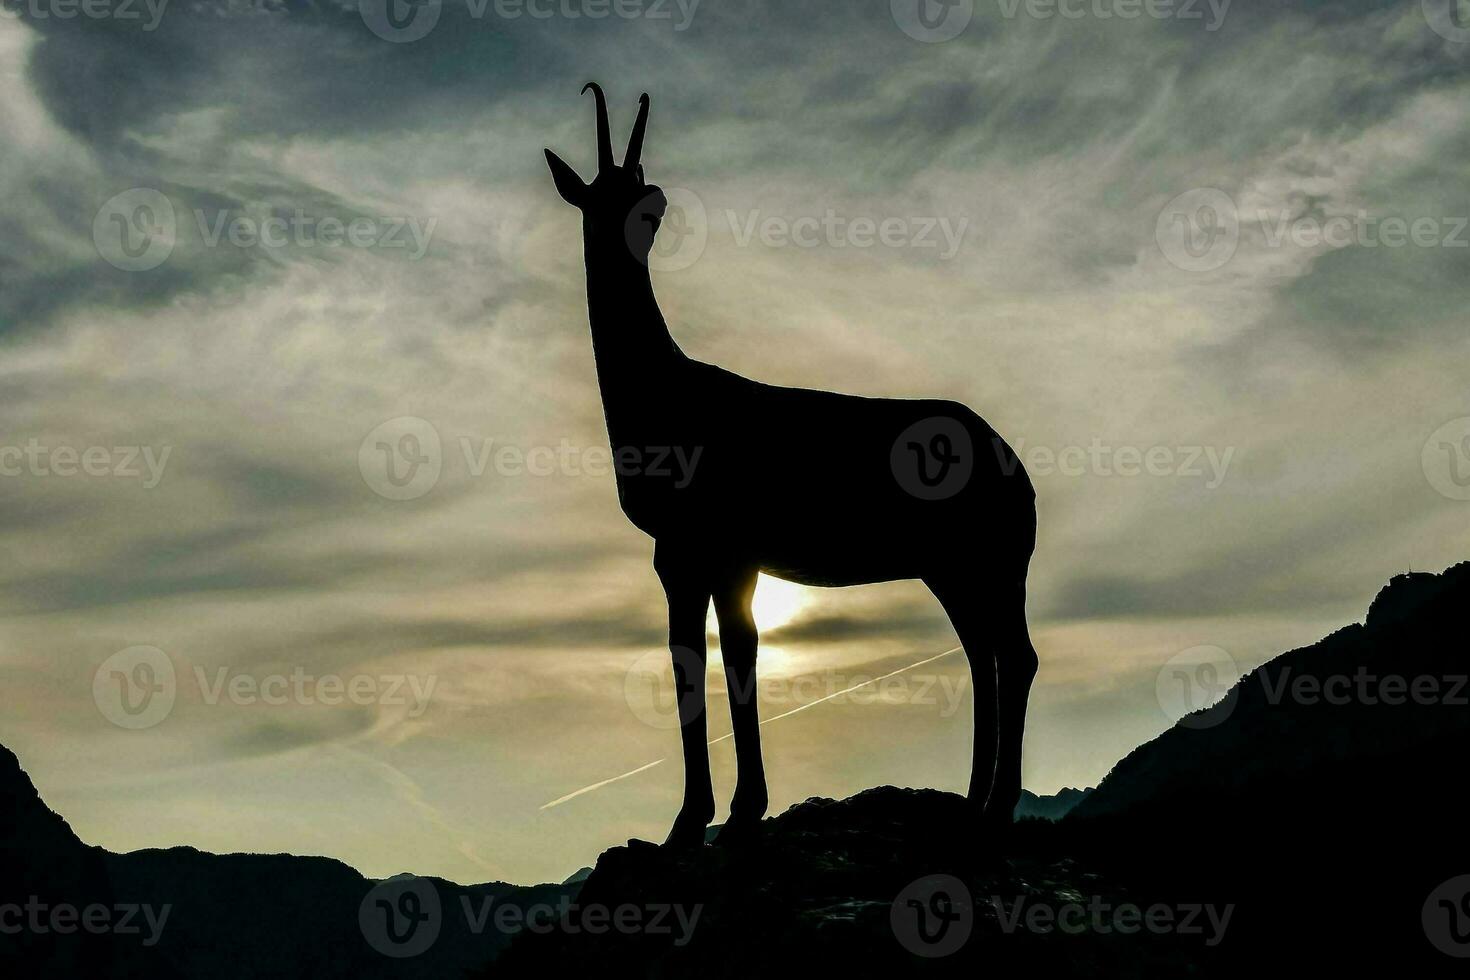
(964, 602)
(1016, 666)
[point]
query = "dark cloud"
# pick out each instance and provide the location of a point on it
(274, 737)
(832, 629)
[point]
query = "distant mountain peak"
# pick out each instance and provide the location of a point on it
(1053, 807)
(1405, 595)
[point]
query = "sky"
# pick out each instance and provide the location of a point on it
(1203, 265)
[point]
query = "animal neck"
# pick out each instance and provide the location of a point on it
(630, 340)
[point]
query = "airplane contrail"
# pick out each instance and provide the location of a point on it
(785, 714)
(587, 789)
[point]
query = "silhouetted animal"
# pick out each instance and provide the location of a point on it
(809, 486)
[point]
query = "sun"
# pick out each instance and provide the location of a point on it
(777, 602)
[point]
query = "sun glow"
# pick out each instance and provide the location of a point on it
(777, 602)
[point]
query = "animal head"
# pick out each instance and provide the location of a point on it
(618, 205)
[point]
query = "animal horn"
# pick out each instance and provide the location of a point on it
(604, 134)
(635, 142)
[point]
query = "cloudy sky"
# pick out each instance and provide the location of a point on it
(1204, 265)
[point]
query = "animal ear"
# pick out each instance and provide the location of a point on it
(573, 189)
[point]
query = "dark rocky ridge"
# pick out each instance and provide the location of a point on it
(1327, 705)
(1314, 823)
(229, 915)
(815, 892)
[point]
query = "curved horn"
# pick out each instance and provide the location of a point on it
(635, 142)
(604, 135)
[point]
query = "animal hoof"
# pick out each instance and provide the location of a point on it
(687, 833)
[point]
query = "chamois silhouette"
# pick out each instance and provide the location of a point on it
(813, 487)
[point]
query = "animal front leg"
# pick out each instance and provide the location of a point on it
(688, 603)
